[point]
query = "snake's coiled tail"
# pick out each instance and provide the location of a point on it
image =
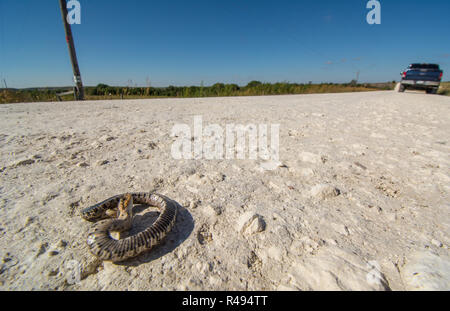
(102, 245)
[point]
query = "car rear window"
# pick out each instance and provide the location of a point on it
(424, 66)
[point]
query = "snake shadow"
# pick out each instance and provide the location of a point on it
(184, 225)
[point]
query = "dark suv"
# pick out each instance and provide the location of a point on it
(421, 77)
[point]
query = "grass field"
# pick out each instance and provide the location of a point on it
(444, 89)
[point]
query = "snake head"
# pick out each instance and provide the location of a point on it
(125, 207)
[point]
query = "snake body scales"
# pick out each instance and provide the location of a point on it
(102, 245)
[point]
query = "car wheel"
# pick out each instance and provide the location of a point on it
(401, 88)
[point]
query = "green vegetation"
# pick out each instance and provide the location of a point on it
(27, 95)
(254, 88)
(444, 89)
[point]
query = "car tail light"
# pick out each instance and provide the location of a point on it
(440, 75)
(404, 74)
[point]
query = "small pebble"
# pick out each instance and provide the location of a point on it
(53, 272)
(25, 162)
(436, 243)
(62, 243)
(324, 191)
(250, 223)
(194, 204)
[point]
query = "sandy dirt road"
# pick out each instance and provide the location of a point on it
(359, 199)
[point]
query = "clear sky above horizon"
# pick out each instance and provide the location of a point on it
(176, 42)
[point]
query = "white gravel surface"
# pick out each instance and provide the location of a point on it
(359, 199)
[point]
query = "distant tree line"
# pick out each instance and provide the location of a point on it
(221, 89)
(253, 88)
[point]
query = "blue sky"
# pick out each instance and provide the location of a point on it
(231, 41)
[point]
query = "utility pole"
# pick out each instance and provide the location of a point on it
(79, 91)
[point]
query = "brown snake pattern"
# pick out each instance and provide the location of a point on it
(102, 245)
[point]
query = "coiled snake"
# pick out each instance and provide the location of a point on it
(102, 245)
